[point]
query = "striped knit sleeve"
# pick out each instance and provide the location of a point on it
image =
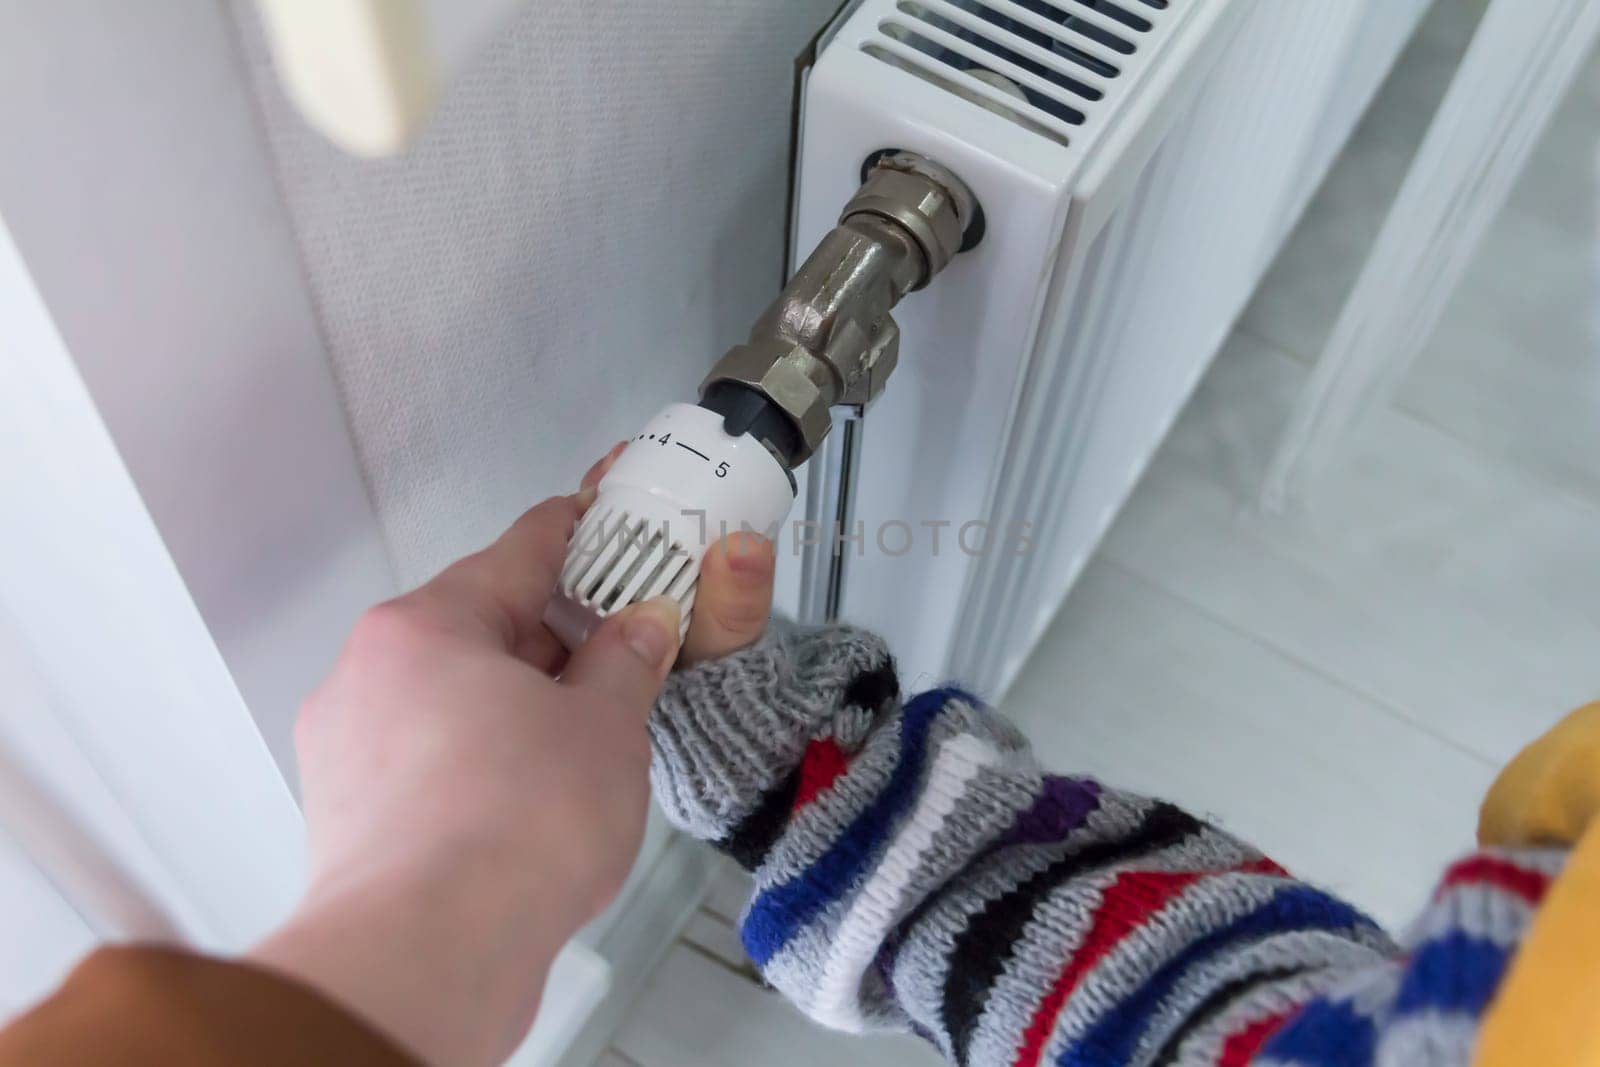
(1424, 1007)
(914, 869)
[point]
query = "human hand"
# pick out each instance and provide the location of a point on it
(472, 794)
(734, 598)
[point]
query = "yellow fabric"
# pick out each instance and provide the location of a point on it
(1549, 792)
(1547, 1009)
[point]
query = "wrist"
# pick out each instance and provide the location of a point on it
(446, 958)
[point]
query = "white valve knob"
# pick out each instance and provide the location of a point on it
(681, 485)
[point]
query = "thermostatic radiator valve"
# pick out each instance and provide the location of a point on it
(696, 473)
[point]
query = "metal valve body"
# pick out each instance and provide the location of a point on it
(829, 339)
(696, 472)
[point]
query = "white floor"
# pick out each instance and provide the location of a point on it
(1338, 686)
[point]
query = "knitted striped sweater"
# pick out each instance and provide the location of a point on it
(916, 870)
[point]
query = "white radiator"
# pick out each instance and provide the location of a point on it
(1139, 162)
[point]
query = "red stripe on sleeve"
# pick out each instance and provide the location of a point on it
(824, 761)
(1265, 865)
(1242, 1045)
(1482, 869)
(1130, 900)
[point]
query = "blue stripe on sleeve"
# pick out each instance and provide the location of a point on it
(1454, 973)
(776, 914)
(1324, 1033)
(1115, 1036)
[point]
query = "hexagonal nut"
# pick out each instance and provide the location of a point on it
(922, 207)
(799, 383)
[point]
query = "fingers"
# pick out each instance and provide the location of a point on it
(505, 586)
(592, 477)
(499, 594)
(626, 660)
(734, 599)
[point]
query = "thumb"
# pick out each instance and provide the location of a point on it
(627, 658)
(734, 599)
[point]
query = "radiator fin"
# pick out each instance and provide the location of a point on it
(1042, 64)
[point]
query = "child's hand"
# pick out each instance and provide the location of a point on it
(735, 597)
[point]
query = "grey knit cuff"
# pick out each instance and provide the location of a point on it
(725, 732)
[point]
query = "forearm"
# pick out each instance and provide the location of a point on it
(446, 953)
(149, 1006)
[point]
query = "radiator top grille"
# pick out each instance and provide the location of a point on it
(1042, 64)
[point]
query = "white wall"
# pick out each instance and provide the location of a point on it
(136, 181)
(595, 214)
(131, 774)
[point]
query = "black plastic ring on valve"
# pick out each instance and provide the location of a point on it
(745, 410)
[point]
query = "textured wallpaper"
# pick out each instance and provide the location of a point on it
(594, 215)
